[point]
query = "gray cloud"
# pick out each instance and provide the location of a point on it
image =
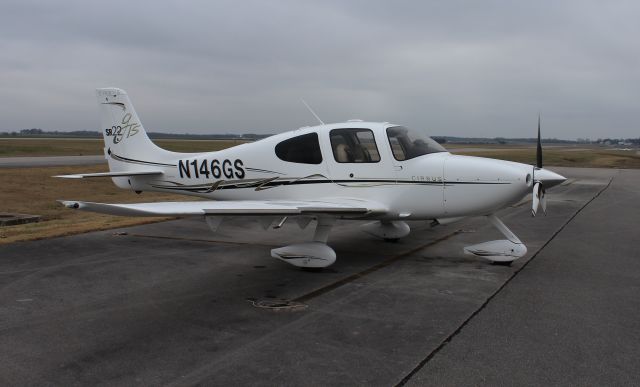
(463, 68)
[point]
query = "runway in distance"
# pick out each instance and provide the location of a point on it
(375, 171)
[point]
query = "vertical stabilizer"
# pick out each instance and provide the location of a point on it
(127, 146)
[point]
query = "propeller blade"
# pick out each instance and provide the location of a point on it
(536, 199)
(539, 147)
(543, 201)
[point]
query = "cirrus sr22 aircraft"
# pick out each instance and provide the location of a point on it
(351, 170)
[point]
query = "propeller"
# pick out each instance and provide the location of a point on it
(538, 189)
(539, 199)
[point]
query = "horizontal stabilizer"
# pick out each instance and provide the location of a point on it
(111, 174)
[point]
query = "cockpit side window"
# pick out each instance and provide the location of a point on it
(303, 149)
(409, 143)
(354, 146)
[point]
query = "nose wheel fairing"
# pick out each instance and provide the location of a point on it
(497, 251)
(504, 250)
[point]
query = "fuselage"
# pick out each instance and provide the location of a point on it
(412, 176)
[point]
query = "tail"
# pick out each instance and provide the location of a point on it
(127, 146)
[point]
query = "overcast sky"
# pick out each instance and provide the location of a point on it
(459, 68)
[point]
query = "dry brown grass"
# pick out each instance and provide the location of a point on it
(568, 157)
(34, 191)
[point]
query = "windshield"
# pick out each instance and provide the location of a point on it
(409, 143)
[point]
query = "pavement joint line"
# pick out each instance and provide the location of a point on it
(449, 338)
(200, 240)
(334, 285)
(214, 241)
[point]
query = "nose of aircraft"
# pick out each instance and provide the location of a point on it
(548, 178)
(477, 185)
(482, 170)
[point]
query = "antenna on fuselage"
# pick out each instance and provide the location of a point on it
(311, 110)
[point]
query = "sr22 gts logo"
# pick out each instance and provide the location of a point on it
(214, 168)
(127, 129)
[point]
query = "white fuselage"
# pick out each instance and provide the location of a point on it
(432, 186)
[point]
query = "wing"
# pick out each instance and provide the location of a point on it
(332, 206)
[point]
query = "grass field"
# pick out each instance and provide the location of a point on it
(595, 157)
(34, 191)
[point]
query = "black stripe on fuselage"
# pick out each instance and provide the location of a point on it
(278, 183)
(262, 170)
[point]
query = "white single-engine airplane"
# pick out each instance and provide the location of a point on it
(350, 170)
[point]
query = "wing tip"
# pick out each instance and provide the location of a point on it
(110, 174)
(68, 176)
(74, 204)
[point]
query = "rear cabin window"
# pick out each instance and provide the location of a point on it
(303, 149)
(354, 146)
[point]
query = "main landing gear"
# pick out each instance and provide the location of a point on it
(314, 254)
(317, 254)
